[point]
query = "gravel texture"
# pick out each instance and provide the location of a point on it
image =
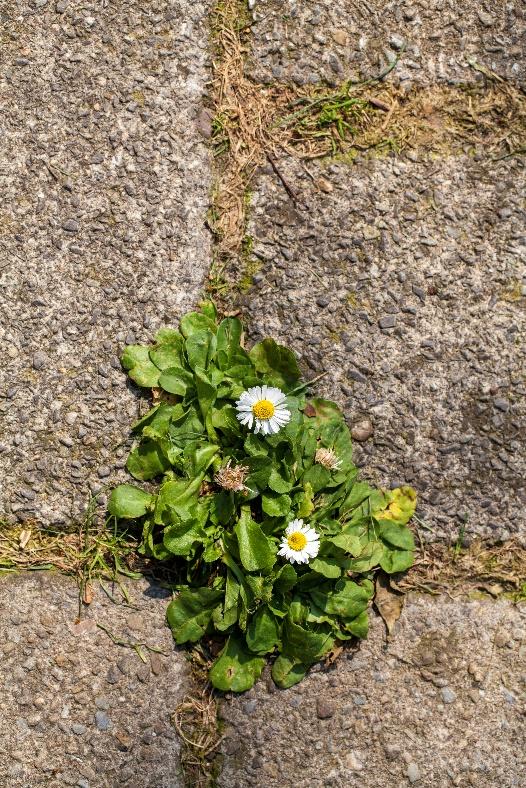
(75, 709)
(442, 704)
(405, 280)
(102, 239)
(309, 41)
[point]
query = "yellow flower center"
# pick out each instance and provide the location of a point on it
(264, 409)
(296, 540)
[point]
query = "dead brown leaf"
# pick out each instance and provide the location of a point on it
(333, 655)
(388, 602)
(87, 594)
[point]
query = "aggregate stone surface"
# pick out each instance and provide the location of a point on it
(442, 704)
(75, 709)
(104, 181)
(405, 281)
(311, 41)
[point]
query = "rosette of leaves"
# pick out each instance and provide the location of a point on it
(236, 585)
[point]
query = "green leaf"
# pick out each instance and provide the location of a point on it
(200, 348)
(286, 672)
(285, 579)
(275, 505)
(359, 625)
(198, 457)
(328, 567)
(306, 504)
(256, 551)
(178, 499)
(348, 599)
(169, 353)
(259, 471)
(128, 502)
(226, 616)
(224, 419)
(278, 482)
(358, 494)
(147, 461)
(255, 447)
(396, 535)
(208, 308)
(221, 508)
(190, 612)
(228, 341)
(303, 644)
(180, 538)
(262, 632)
(277, 363)
(176, 380)
(136, 359)
(206, 391)
(350, 542)
(368, 558)
(323, 410)
(396, 560)
(236, 669)
(156, 423)
(317, 477)
(196, 322)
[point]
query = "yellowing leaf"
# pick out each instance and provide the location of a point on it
(401, 506)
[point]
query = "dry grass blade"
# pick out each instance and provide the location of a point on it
(493, 569)
(243, 112)
(196, 722)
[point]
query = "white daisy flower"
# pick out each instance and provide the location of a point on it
(300, 543)
(265, 408)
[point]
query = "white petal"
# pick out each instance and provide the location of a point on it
(244, 408)
(277, 395)
(294, 525)
(274, 427)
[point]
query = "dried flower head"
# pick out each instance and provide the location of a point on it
(328, 458)
(232, 478)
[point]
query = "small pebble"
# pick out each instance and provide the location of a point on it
(324, 709)
(102, 721)
(448, 696)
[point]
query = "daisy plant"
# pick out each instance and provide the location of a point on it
(249, 489)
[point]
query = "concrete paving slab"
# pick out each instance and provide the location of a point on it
(104, 192)
(75, 709)
(405, 281)
(311, 41)
(442, 704)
